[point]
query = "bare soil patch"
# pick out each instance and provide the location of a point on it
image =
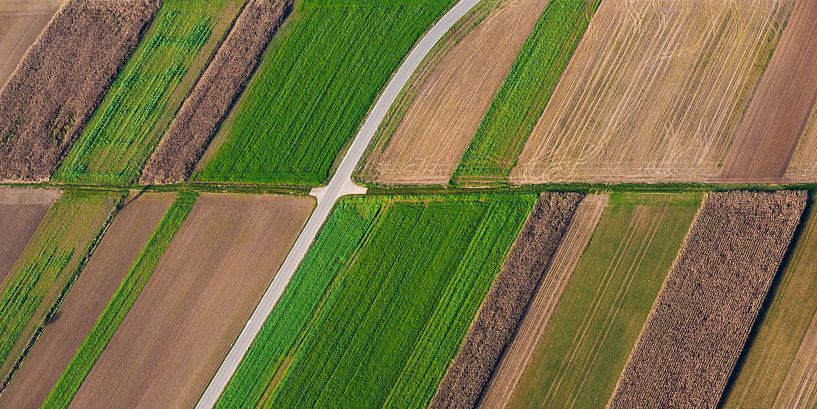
(203, 290)
(17, 33)
(452, 100)
(769, 133)
(700, 322)
(21, 211)
(60, 81)
(655, 91)
(123, 242)
(215, 93)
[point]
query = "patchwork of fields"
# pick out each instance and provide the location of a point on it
(21, 22)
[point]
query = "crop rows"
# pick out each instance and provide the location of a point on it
(702, 318)
(58, 84)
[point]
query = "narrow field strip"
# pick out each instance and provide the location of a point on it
(526, 92)
(656, 91)
(132, 117)
(800, 387)
(21, 211)
(50, 261)
(47, 101)
(320, 76)
(374, 318)
(517, 356)
(803, 165)
(131, 229)
(702, 318)
(587, 339)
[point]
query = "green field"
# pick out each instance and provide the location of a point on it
(525, 93)
(589, 337)
(377, 310)
(119, 305)
(129, 122)
(781, 329)
(319, 78)
(48, 264)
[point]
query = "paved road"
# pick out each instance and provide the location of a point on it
(340, 185)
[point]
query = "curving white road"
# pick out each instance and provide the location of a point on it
(340, 185)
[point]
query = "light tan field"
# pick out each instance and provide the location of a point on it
(768, 136)
(452, 100)
(79, 311)
(21, 21)
(21, 211)
(800, 388)
(803, 165)
(655, 91)
(518, 354)
(203, 290)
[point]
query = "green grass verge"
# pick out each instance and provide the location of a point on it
(525, 93)
(120, 135)
(319, 78)
(46, 267)
(589, 337)
(121, 302)
(379, 307)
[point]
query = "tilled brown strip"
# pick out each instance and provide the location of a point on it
(702, 318)
(215, 93)
(62, 79)
(505, 304)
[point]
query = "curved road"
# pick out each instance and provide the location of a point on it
(340, 185)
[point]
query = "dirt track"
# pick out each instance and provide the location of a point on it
(204, 288)
(21, 211)
(113, 258)
(21, 22)
(771, 129)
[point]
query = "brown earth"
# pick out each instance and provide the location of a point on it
(452, 100)
(655, 91)
(803, 165)
(123, 242)
(800, 387)
(215, 93)
(21, 211)
(700, 322)
(500, 312)
(519, 352)
(199, 298)
(62, 78)
(769, 133)
(20, 24)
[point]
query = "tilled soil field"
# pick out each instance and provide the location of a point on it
(215, 93)
(21, 211)
(702, 318)
(60, 81)
(20, 23)
(507, 300)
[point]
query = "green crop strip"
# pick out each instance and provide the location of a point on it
(319, 78)
(379, 307)
(120, 135)
(120, 303)
(525, 93)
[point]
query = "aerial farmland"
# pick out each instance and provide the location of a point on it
(408, 204)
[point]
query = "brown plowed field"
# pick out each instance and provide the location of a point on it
(655, 91)
(452, 100)
(700, 322)
(20, 24)
(499, 314)
(203, 290)
(21, 211)
(803, 165)
(517, 355)
(768, 136)
(79, 311)
(800, 388)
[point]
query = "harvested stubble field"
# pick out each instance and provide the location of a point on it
(140, 104)
(50, 261)
(21, 211)
(315, 85)
(215, 93)
(771, 129)
(21, 21)
(173, 339)
(500, 312)
(424, 143)
(526, 91)
(120, 246)
(581, 351)
(517, 355)
(379, 307)
(780, 355)
(702, 318)
(656, 91)
(58, 84)
(803, 164)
